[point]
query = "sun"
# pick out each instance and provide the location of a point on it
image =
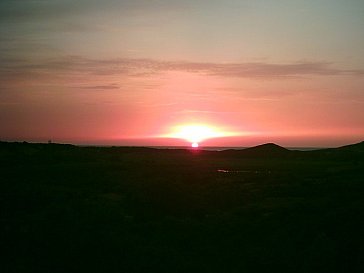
(195, 133)
(194, 145)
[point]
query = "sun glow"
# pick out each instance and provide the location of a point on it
(195, 133)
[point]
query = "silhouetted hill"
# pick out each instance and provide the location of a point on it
(267, 148)
(263, 150)
(352, 151)
(357, 147)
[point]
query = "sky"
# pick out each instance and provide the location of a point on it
(130, 72)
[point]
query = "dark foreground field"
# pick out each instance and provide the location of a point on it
(265, 209)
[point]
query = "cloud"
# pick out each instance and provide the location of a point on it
(207, 112)
(75, 65)
(40, 10)
(260, 69)
(99, 87)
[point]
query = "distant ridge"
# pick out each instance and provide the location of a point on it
(259, 150)
(263, 150)
(268, 147)
(352, 147)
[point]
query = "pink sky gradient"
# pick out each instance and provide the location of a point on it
(127, 73)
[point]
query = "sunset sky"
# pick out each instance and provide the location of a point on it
(132, 72)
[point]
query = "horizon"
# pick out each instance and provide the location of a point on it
(181, 145)
(138, 72)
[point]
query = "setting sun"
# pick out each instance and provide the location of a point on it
(194, 145)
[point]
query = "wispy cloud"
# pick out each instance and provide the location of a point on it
(207, 112)
(72, 65)
(261, 69)
(99, 87)
(26, 10)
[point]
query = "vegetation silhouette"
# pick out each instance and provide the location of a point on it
(66, 208)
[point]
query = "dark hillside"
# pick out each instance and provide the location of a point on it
(348, 152)
(65, 208)
(269, 149)
(358, 147)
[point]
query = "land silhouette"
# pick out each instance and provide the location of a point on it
(66, 208)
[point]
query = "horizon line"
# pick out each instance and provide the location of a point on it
(201, 147)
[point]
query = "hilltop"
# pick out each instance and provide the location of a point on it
(268, 149)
